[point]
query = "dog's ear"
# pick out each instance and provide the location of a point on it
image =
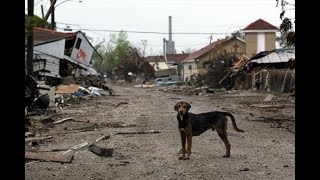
(188, 106)
(176, 107)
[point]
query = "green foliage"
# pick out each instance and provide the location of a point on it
(286, 26)
(35, 21)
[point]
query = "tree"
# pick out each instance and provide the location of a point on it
(188, 50)
(35, 21)
(113, 54)
(236, 33)
(286, 26)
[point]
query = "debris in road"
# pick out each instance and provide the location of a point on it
(117, 105)
(107, 152)
(140, 132)
(46, 120)
(244, 169)
(76, 147)
(63, 120)
(41, 103)
(285, 166)
(103, 138)
(29, 134)
(48, 156)
(37, 138)
(33, 143)
(269, 97)
(67, 89)
(274, 105)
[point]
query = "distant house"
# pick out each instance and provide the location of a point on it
(162, 62)
(259, 36)
(193, 64)
(53, 50)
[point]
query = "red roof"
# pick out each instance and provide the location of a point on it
(41, 35)
(260, 24)
(205, 49)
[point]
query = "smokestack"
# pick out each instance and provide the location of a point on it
(170, 28)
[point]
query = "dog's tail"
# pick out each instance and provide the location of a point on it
(233, 121)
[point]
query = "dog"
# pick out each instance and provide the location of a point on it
(195, 124)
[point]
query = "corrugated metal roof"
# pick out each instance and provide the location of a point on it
(278, 56)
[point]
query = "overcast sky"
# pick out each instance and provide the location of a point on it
(219, 17)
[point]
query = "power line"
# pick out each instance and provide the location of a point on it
(150, 32)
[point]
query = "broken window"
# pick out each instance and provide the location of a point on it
(78, 43)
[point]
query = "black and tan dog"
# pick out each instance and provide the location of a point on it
(195, 124)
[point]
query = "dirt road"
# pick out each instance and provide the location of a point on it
(266, 150)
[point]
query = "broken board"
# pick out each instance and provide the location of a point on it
(49, 156)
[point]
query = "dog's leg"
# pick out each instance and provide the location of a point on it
(189, 140)
(183, 142)
(223, 135)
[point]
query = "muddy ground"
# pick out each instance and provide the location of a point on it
(266, 150)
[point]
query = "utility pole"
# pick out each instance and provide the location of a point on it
(210, 39)
(42, 11)
(30, 39)
(53, 2)
(53, 23)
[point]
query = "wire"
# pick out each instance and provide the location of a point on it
(149, 32)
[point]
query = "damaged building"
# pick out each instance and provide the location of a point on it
(59, 54)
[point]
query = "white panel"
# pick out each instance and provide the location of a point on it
(55, 48)
(84, 53)
(260, 42)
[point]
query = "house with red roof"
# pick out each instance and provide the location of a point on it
(193, 65)
(259, 36)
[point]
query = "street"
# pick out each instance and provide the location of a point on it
(144, 136)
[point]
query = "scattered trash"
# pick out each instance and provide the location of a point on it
(41, 103)
(48, 156)
(107, 152)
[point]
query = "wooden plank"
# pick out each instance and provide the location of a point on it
(62, 120)
(50, 74)
(67, 89)
(49, 156)
(37, 138)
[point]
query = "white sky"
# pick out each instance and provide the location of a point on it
(188, 16)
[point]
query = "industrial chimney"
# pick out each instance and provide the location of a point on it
(170, 44)
(170, 28)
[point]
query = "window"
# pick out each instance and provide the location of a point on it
(78, 43)
(190, 67)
